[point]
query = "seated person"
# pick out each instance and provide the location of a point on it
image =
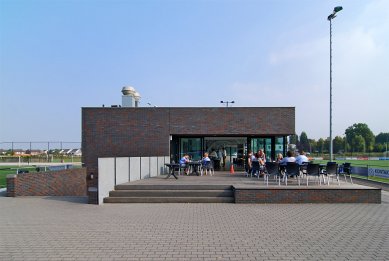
(249, 162)
(213, 154)
(301, 159)
(279, 158)
(289, 158)
(206, 163)
(262, 160)
(205, 158)
(184, 162)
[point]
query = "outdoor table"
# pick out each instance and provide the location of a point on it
(171, 167)
(194, 165)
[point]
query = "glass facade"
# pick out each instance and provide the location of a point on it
(226, 150)
(192, 147)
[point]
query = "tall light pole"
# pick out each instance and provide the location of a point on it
(227, 102)
(330, 17)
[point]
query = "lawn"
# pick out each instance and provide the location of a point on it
(380, 164)
(6, 170)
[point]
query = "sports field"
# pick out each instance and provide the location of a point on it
(381, 164)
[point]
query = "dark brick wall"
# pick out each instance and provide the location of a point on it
(259, 121)
(70, 182)
(301, 195)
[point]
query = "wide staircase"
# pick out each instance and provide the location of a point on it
(128, 193)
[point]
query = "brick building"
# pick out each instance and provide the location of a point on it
(171, 132)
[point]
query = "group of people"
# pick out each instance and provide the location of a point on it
(261, 158)
(300, 159)
(185, 160)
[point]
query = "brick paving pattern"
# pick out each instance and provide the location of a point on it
(64, 228)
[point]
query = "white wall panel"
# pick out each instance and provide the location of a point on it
(106, 180)
(153, 166)
(145, 167)
(122, 170)
(134, 168)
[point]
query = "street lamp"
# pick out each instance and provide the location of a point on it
(330, 17)
(227, 102)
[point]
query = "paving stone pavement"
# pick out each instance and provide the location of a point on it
(64, 228)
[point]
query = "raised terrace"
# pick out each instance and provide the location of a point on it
(224, 187)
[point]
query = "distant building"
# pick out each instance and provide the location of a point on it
(75, 152)
(34, 152)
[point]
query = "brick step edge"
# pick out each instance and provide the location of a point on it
(169, 200)
(171, 193)
(173, 187)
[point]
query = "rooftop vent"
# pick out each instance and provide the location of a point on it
(130, 97)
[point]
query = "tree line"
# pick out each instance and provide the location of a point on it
(358, 138)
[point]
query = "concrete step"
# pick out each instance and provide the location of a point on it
(171, 193)
(169, 200)
(173, 187)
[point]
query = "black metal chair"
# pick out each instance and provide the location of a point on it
(255, 168)
(292, 169)
(345, 170)
(303, 169)
(207, 166)
(332, 171)
(313, 170)
(184, 167)
(272, 168)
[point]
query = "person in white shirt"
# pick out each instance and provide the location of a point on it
(213, 154)
(289, 158)
(301, 159)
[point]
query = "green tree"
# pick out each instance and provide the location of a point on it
(382, 138)
(360, 129)
(320, 145)
(304, 142)
(326, 145)
(293, 139)
(338, 144)
(379, 147)
(312, 145)
(358, 144)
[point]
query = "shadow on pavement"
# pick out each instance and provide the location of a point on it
(79, 200)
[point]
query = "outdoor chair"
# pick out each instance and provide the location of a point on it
(292, 169)
(313, 170)
(345, 170)
(303, 169)
(183, 167)
(332, 171)
(272, 168)
(255, 168)
(207, 166)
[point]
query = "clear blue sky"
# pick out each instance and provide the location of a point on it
(57, 56)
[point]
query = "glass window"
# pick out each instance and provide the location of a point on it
(262, 143)
(192, 147)
(279, 148)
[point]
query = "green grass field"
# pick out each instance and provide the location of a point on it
(381, 164)
(6, 170)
